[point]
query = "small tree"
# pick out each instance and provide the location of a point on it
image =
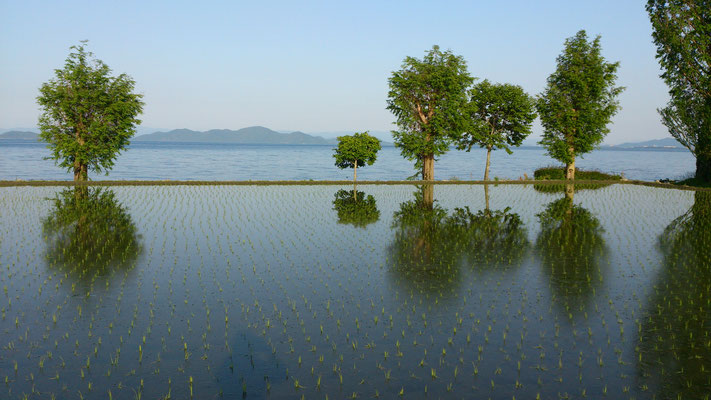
(500, 116)
(428, 98)
(355, 151)
(87, 116)
(682, 34)
(578, 102)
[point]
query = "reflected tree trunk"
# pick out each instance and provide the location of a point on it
(428, 196)
(486, 197)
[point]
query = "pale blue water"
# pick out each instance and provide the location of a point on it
(192, 161)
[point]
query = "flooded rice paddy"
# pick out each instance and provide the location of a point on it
(458, 291)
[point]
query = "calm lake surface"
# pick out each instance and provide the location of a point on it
(282, 292)
(189, 161)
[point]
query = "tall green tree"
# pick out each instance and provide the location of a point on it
(428, 97)
(88, 116)
(578, 102)
(357, 150)
(682, 34)
(500, 117)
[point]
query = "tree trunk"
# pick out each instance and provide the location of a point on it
(488, 161)
(569, 191)
(80, 172)
(703, 148)
(355, 171)
(703, 167)
(570, 168)
(428, 167)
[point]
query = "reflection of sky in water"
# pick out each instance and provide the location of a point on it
(295, 284)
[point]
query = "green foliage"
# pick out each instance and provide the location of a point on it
(428, 97)
(579, 100)
(355, 209)
(500, 117)
(87, 115)
(88, 231)
(558, 173)
(357, 150)
(682, 34)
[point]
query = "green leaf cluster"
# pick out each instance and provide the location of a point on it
(427, 97)
(500, 116)
(579, 100)
(87, 116)
(357, 150)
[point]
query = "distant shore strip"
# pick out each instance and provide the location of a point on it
(20, 183)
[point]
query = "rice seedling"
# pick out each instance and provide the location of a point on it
(241, 283)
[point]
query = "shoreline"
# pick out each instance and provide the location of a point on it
(23, 183)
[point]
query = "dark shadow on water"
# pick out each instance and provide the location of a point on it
(355, 208)
(571, 248)
(88, 233)
(675, 339)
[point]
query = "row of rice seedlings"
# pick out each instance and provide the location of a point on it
(239, 264)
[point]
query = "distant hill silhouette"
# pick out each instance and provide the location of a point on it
(250, 135)
(656, 143)
(19, 135)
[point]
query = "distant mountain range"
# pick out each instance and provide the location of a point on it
(19, 135)
(665, 143)
(251, 135)
(266, 136)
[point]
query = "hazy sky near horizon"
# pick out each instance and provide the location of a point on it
(314, 66)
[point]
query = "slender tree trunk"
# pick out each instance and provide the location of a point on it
(569, 191)
(80, 172)
(355, 171)
(488, 162)
(428, 167)
(354, 191)
(570, 168)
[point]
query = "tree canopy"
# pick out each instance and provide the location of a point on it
(682, 34)
(578, 102)
(87, 116)
(500, 116)
(357, 150)
(428, 97)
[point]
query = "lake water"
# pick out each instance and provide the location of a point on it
(190, 161)
(501, 292)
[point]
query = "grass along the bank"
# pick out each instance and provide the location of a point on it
(668, 185)
(558, 173)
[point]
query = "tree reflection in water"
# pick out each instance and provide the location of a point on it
(89, 233)
(431, 247)
(354, 208)
(571, 247)
(675, 334)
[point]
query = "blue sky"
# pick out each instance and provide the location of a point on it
(314, 66)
